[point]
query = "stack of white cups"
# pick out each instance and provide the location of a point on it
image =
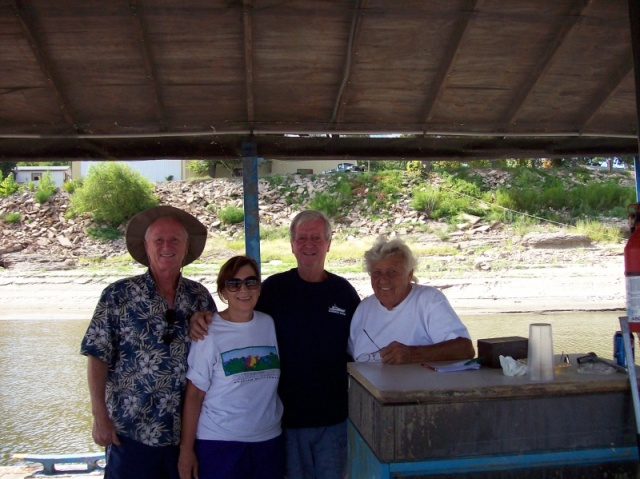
(540, 360)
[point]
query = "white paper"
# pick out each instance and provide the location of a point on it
(461, 366)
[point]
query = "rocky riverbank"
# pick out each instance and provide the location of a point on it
(46, 238)
(43, 258)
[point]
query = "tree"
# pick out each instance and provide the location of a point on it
(7, 167)
(44, 163)
(112, 193)
(210, 167)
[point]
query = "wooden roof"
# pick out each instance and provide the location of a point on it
(458, 79)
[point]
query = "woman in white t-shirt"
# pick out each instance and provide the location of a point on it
(404, 322)
(231, 422)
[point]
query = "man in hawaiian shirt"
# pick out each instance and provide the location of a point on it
(137, 345)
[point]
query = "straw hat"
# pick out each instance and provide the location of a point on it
(137, 227)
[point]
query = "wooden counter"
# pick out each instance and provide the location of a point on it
(411, 414)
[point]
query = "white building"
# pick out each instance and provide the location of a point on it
(33, 174)
(166, 170)
(153, 170)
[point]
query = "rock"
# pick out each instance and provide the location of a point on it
(12, 248)
(482, 265)
(64, 241)
(45, 233)
(556, 240)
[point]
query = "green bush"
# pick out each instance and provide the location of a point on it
(417, 167)
(72, 185)
(112, 193)
(42, 196)
(8, 186)
(390, 183)
(449, 206)
(271, 233)
(387, 165)
(460, 193)
(104, 233)
(328, 204)
(601, 197)
(525, 177)
(13, 217)
(45, 189)
(546, 196)
(211, 208)
(46, 182)
(198, 167)
(231, 215)
(424, 199)
(599, 232)
(343, 187)
(274, 180)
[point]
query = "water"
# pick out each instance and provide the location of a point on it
(572, 332)
(44, 399)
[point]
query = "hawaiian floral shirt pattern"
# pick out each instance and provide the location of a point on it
(146, 377)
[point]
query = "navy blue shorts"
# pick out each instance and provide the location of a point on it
(134, 460)
(240, 460)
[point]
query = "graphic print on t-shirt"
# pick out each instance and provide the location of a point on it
(254, 358)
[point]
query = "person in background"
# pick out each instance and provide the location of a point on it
(312, 311)
(404, 322)
(231, 419)
(137, 345)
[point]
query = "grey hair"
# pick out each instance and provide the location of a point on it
(383, 248)
(310, 215)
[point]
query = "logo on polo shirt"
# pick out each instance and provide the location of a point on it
(336, 310)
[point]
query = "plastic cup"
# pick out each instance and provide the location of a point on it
(540, 360)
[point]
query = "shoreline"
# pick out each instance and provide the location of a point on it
(26, 472)
(73, 294)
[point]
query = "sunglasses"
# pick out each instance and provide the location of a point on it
(169, 334)
(234, 284)
(374, 356)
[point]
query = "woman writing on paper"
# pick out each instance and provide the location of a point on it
(404, 322)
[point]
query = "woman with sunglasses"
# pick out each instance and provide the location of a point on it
(232, 412)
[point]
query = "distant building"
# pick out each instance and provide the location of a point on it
(309, 167)
(33, 174)
(153, 170)
(167, 170)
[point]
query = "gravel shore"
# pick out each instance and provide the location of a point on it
(563, 287)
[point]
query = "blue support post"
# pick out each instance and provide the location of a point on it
(251, 209)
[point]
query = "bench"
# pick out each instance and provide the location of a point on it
(49, 461)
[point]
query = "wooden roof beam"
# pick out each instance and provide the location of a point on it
(341, 98)
(27, 22)
(247, 15)
(544, 63)
(137, 11)
(460, 31)
(609, 89)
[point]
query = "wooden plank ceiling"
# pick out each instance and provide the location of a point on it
(457, 79)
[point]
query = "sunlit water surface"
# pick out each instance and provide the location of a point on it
(44, 399)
